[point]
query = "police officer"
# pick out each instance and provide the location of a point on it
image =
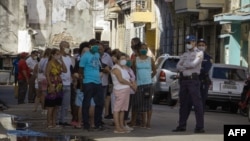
(205, 67)
(189, 66)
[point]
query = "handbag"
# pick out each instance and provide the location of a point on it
(147, 91)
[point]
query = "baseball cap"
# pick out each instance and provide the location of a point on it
(201, 40)
(190, 38)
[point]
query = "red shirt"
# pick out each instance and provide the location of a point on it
(22, 65)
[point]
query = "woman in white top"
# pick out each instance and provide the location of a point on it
(121, 90)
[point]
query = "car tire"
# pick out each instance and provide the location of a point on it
(170, 101)
(234, 108)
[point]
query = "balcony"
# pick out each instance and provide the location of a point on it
(183, 6)
(210, 4)
(141, 11)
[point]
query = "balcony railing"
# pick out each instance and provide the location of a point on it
(210, 3)
(141, 11)
(141, 6)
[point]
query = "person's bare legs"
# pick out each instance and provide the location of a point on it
(50, 116)
(54, 115)
(107, 103)
(144, 119)
(37, 100)
(91, 116)
(133, 119)
(121, 119)
(79, 117)
(117, 121)
(149, 115)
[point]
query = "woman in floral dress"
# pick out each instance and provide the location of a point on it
(53, 99)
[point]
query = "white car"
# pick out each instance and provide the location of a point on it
(226, 87)
(165, 67)
(227, 82)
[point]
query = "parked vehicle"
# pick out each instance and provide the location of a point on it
(165, 67)
(227, 82)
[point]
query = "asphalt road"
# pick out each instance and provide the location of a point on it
(163, 121)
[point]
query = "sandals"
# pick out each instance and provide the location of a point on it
(50, 127)
(78, 126)
(54, 127)
(119, 132)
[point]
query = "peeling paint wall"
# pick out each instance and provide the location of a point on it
(10, 22)
(69, 20)
(99, 22)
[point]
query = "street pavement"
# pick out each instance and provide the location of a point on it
(163, 121)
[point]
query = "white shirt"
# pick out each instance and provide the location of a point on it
(66, 77)
(125, 75)
(190, 62)
(31, 63)
(106, 59)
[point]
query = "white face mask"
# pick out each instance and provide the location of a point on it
(35, 57)
(201, 48)
(66, 50)
(123, 62)
(189, 46)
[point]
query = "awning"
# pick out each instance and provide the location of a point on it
(224, 35)
(234, 17)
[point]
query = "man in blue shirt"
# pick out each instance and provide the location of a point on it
(92, 87)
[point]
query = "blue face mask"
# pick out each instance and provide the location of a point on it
(94, 49)
(143, 51)
(129, 63)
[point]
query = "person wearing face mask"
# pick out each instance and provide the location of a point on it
(32, 62)
(189, 67)
(205, 67)
(66, 79)
(92, 87)
(107, 64)
(144, 68)
(121, 90)
(54, 97)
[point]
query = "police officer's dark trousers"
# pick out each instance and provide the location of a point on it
(204, 92)
(190, 95)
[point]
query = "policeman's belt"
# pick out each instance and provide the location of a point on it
(194, 76)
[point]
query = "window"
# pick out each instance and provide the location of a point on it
(229, 74)
(170, 64)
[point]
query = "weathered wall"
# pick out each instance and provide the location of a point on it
(11, 19)
(68, 20)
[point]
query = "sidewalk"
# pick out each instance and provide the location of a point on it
(37, 122)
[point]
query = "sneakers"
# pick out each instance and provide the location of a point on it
(126, 127)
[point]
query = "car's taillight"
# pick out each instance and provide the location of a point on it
(162, 76)
(210, 87)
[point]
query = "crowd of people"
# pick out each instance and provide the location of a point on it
(94, 81)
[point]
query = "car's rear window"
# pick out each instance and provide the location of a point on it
(170, 64)
(229, 74)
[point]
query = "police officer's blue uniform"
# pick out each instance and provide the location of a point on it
(189, 67)
(204, 77)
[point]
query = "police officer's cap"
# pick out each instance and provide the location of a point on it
(201, 40)
(190, 38)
